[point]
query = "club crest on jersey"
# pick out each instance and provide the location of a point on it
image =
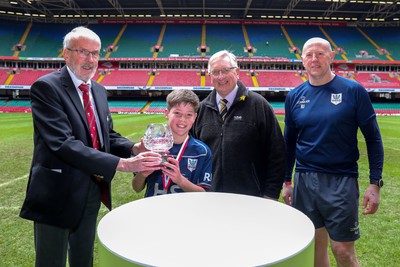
(336, 99)
(192, 164)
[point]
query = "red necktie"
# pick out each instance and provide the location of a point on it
(87, 104)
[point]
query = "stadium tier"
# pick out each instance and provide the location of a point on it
(44, 40)
(269, 41)
(177, 78)
(158, 107)
(279, 79)
(149, 59)
(388, 39)
(377, 80)
(127, 106)
(26, 77)
(181, 39)
(11, 34)
(125, 78)
(192, 78)
(4, 73)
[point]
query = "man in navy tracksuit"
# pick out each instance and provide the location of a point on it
(322, 117)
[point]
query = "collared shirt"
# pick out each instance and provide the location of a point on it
(230, 97)
(78, 82)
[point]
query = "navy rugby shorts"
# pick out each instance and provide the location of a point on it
(330, 201)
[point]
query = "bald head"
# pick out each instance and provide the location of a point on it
(317, 40)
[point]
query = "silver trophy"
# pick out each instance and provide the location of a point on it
(158, 138)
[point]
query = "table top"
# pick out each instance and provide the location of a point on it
(205, 229)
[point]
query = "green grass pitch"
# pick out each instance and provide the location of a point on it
(378, 245)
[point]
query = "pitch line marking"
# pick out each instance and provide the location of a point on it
(14, 180)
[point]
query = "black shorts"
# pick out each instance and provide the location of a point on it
(330, 201)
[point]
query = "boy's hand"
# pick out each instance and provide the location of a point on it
(171, 168)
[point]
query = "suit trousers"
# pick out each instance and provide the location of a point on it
(53, 243)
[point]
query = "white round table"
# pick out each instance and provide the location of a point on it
(205, 230)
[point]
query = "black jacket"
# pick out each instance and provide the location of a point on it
(248, 147)
(63, 161)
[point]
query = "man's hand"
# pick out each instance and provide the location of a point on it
(371, 199)
(287, 193)
(145, 161)
(138, 148)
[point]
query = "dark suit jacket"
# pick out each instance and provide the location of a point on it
(63, 162)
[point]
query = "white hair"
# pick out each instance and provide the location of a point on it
(80, 32)
(220, 54)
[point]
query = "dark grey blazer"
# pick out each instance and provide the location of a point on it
(63, 162)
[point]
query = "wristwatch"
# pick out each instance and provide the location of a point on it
(378, 183)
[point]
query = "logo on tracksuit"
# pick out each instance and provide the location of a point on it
(336, 99)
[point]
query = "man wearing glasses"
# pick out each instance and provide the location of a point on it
(243, 133)
(76, 154)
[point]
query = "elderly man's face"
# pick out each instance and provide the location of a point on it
(223, 75)
(83, 66)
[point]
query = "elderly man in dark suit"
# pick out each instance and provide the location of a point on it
(76, 154)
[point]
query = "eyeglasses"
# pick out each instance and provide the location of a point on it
(223, 71)
(85, 53)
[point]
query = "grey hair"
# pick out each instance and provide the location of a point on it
(220, 54)
(80, 32)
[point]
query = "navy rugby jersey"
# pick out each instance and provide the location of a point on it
(195, 165)
(326, 120)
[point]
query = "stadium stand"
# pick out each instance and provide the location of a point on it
(10, 35)
(181, 40)
(387, 109)
(156, 106)
(229, 37)
(27, 77)
(153, 72)
(127, 106)
(110, 35)
(247, 79)
(268, 41)
(355, 45)
(279, 107)
(177, 78)
(124, 77)
(279, 79)
(137, 40)
(4, 73)
(377, 80)
(43, 41)
(22, 106)
(298, 35)
(387, 39)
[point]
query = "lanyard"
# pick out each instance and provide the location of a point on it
(165, 179)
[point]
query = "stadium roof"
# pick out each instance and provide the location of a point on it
(353, 12)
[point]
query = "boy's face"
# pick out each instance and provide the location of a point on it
(181, 118)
